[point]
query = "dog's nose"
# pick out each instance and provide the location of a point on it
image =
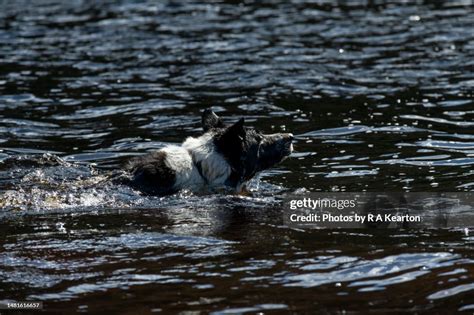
(290, 136)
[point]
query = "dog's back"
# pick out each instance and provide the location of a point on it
(152, 175)
(166, 171)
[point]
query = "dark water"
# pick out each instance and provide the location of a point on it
(380, 97)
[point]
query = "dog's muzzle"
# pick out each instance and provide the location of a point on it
(280, 144)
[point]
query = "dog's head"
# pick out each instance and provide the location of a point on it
(247, 150)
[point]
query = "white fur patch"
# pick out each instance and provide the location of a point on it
(214, 166)
(183, 159)
(179, 160)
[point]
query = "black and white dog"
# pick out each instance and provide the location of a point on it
(223, 157)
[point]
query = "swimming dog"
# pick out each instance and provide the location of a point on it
(223, 157)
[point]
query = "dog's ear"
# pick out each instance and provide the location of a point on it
(237, 128)
(211, 120)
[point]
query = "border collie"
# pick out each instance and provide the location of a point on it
(223, 157)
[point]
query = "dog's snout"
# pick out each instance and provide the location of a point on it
(279, 139)
(287, 137)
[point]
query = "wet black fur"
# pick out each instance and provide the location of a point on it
(151, 175)
(239, 146)
(247, 150)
